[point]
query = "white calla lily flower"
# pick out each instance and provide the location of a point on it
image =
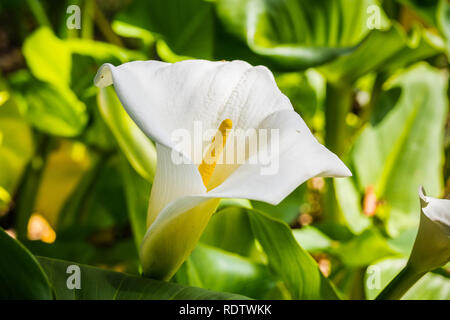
(162, 98)
(432, 246)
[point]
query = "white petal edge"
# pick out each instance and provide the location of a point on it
(432, 245)
(437, 210)
(171, 182)
(162, 97)
(301, 157)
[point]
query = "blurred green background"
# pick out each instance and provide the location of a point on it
(370, 78)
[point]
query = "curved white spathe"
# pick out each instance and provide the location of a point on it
(162, 97)
(432, 246)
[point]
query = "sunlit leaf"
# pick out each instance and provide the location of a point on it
(51, 108)
(349, 200)
(288, 260)
(399, 50)
(312, 239)
(48, 57)
(139, 150)
(299, 34)
(402, 147)
(432, 286)
(16, 150)
(364, 249)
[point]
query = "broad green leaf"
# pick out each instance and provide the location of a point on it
(299, 34)
(109, 285)
(186, 25)
(137, 193)
(402, 147)
(48, 57)
(98, 202)
(219, 270)
(364, 249)
(106, 207)
(349, 200)
(16, 150)
(404, 242)
(306, 90)
(432, 286)
(21, 276)
(435, 13)
(51, 108)
(311, 239)
(101, 51)
(288, 260)
(229, 229)
(288, 209)
(62, 171)
(139, 150)
(399, 50)
(130, 31)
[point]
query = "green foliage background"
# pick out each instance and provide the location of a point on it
(370, 78)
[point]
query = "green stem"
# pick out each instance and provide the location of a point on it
(87, 29)
(105, 27)
(39, 13)
(338, 104)
(400, 284)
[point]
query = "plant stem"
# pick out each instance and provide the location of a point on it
(338, 104)
(39, 13)
(105, 27)
(87, 30)
(400, 284)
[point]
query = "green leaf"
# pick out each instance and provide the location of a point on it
(399, 50)
(219, 270)
(137, 192)
(295, 33)
(51, 108)
(306, 90)
(48, 58)
(102, 52)
(402, 147)
(21, 276)
(435, 13)
(229, 229)
(98, 202)
(16, 150)
(364, 249)
(288, 260)
(288, 209)
(138, 149)
(312, 239)
(108, 285)
(186, 25)
(432, 286)
(349, 200)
